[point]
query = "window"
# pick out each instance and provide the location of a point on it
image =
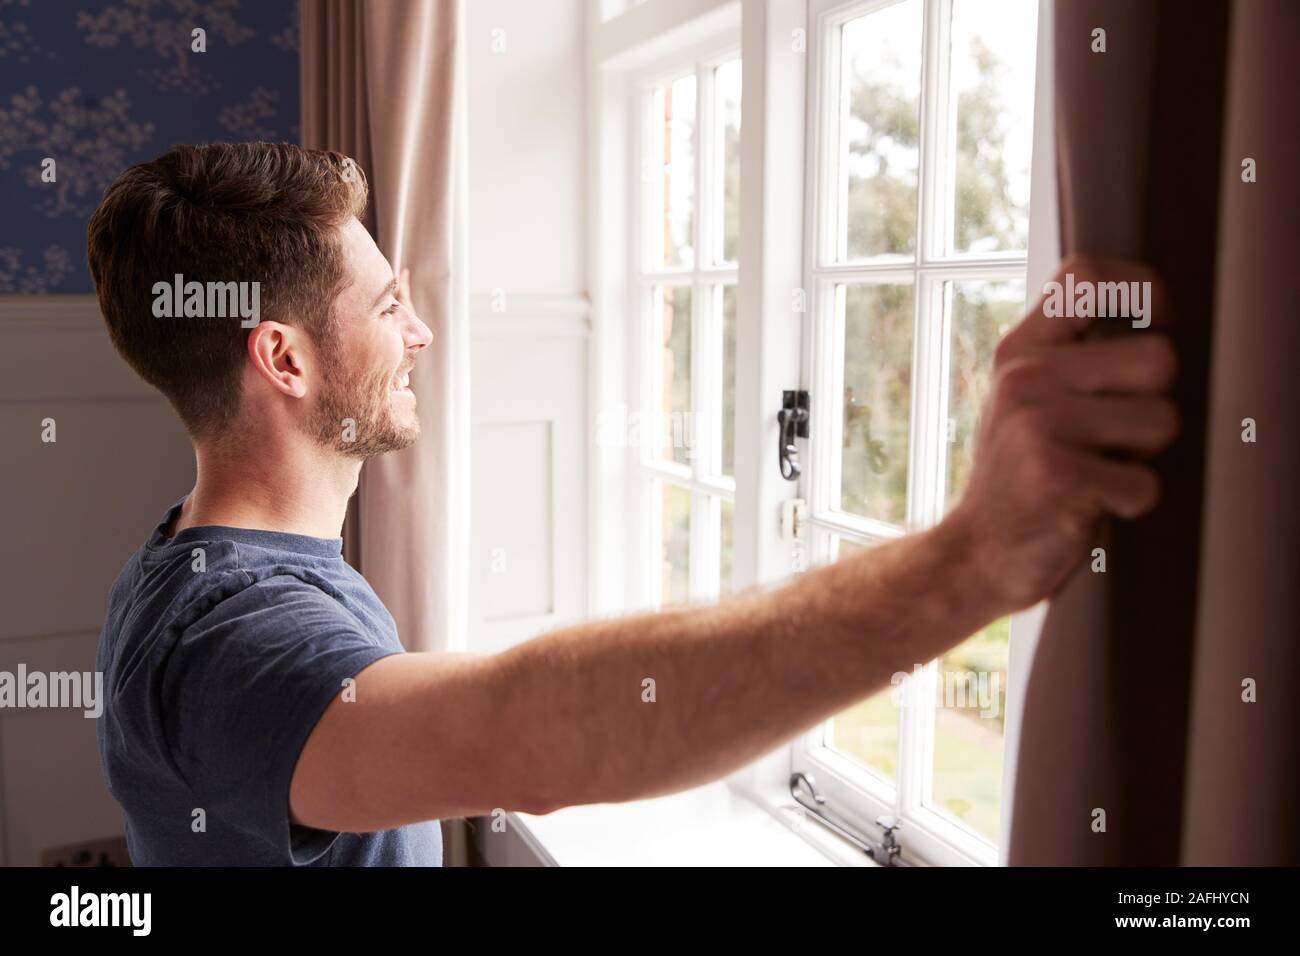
(686, 293)
(920, 130)
(887, 188)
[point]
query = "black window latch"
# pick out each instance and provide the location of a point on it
(793, 419)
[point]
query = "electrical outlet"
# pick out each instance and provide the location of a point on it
(108, 852)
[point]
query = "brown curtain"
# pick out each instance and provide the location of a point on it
(382, 82)
(1134, 704)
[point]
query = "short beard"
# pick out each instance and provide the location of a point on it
(355, 415)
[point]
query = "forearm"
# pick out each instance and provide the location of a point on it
(565, 719)
(731, 681)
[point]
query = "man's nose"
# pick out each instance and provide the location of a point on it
(418, 334)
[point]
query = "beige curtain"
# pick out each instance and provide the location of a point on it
(1134, 706)
(383, 82)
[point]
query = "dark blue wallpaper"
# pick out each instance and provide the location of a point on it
(97, 85)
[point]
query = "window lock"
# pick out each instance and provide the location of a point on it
(793, 419)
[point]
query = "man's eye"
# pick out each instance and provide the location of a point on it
(392, 308)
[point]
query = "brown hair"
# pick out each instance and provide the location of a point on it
(223, 212)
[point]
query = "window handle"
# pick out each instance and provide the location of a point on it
(793, 419)
(886, 853)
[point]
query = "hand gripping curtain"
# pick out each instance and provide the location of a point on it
(1161, 722)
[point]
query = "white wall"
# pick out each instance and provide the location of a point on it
(526, 146)
(529, 316)
(73, 511)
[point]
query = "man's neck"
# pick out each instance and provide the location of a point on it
(297, 489)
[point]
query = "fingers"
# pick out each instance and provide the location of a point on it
(1055, 317)
(1138, 425)
(1133, 364)
(1124, 489)
(1127, 365)
(1075, 403)
(1080, 482)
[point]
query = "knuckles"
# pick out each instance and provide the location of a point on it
(1043, 466)
(1021, 382)
(1005, 351)
(1085, 268)
(1077, 524)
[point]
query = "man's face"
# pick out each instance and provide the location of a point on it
(365, 405)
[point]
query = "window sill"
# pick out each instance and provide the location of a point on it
(711, 825)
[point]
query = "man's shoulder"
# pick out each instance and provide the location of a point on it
(199, 583)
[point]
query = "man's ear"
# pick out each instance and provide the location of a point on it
(279, 355)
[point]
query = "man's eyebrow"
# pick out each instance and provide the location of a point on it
(388, 290)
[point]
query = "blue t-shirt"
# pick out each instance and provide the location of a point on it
(221, 649)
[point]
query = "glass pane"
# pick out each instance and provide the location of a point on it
(982, 312)
(675, 219)
(728, 536)
(877, 400)
(675, 545)
(881, 81)
(675, 367)
(867, 732)
(729, 380)
(993, 46)
(971, 690)
(726, 84)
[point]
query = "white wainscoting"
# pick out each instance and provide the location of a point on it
(72, 512)
(528, 529)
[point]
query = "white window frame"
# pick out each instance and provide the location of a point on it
(772, 345)
(702, 478)
(852, 791)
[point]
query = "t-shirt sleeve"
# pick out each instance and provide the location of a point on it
(245, 685)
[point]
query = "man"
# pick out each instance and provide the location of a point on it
(260, 709)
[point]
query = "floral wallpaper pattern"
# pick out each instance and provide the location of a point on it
(97, 85)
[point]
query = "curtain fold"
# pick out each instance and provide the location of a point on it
(1243, 781)
(383, 82)
(1134, 700)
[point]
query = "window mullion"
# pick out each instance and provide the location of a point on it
(706, 524)
(698, 438)
(831, 482)
(651, 436)
(652, 168)
(839, 220)
(916, 724)
(695, 432)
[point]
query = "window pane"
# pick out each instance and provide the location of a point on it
(982, 312)
(993, 48)
(728, 536)
(674, 303)
(877, 400)
(674, 220)
(729, 380)
(867, 732)
(726, 85)
(881, 81)
(971, 689)
(675, 547)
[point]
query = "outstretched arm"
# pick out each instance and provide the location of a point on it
(561, 719)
